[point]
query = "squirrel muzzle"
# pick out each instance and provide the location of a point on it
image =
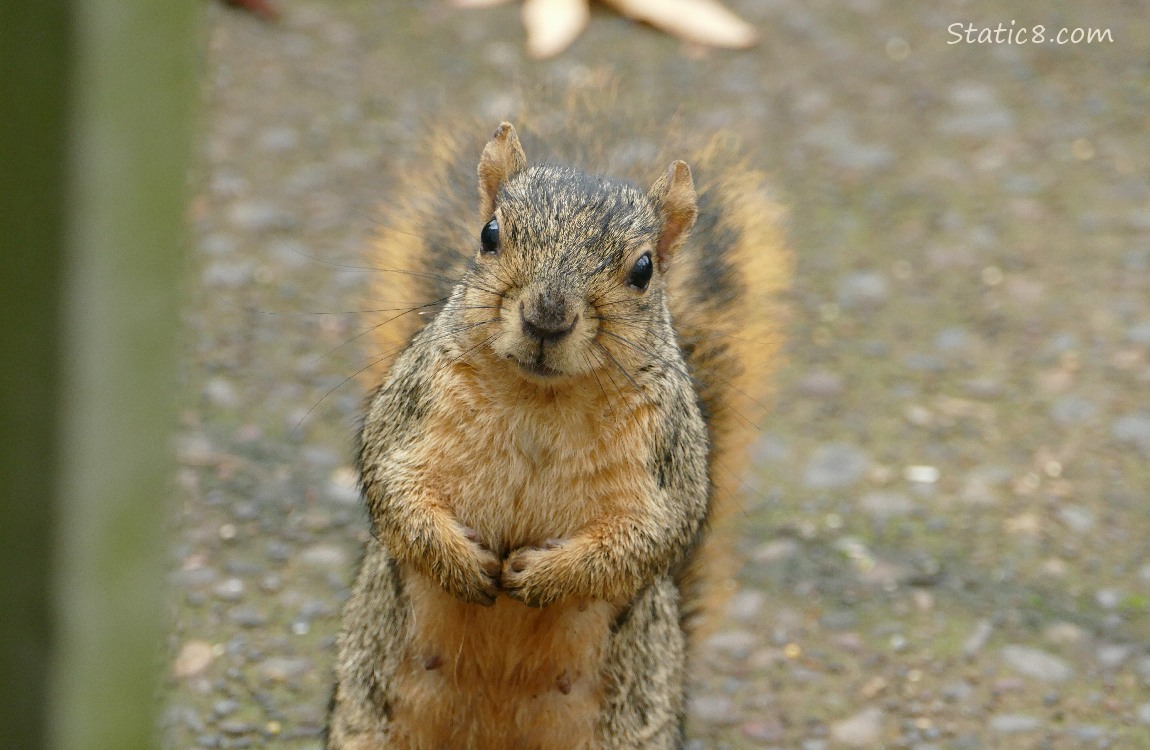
(547, 316)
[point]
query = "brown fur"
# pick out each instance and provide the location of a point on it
(564, 483)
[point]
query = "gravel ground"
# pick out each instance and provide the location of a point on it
(946, 533)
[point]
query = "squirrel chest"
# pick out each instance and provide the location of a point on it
(521, 466)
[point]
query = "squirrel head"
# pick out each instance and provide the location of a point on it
(569, 274)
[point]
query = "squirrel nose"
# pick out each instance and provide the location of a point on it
(546, 320)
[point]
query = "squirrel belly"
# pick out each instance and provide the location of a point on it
(552, 448)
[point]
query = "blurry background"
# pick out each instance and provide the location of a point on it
(947, 532)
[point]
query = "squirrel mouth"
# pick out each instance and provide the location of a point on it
(538, 369)
(535, 365)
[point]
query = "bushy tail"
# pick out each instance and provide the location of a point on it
(724, 296)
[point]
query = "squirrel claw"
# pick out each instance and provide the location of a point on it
(525, 576)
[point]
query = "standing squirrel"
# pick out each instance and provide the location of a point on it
(545, 459)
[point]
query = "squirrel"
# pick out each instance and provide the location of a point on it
(548, 456)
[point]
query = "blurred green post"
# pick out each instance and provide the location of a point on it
(97, 101)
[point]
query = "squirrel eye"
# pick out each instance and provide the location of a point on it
(489, 237)
(640, 275)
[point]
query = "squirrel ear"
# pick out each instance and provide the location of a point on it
(674, 197)
(502, 159)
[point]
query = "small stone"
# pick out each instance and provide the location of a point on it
(236, 727)
(1144, 713)
(886, 504)
(864, 729)
(1108, 598)
(977, 112)
(1132, 428)
(284, 669)
(1037, 664)
(279, 139)
(1076, 518)
(714, 709)
(1073, 410)
(225, 707)
(863, 289)
(957, 691)
(835, 465)
(764, 731)
(256, 216)
(775, 550)
(922, 474)
(1014, 723)
(220, 392)
(1088, 733)
(976, 641)
(248, 617)
(735, 644)
(230, 590)
(746, 605)
(821, 383)
(1064, 634)
(325, 556)
(1139, 334)
(952, 339)
(1113, 655)
(194, 658)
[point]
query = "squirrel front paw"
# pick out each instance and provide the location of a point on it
(466, 569)
(538, 576)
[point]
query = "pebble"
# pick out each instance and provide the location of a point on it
(229, 590)
(1088, 733)
(222, 393)
(325, 556)
(225, 707)
(1014, 723)
(236, 727)
(821, 383)
(764, 731)
(862, 289)
(1108, 598)
(882, 505)
(279, 139)
(258, 216)
(248, 617)
(714, 709)
(1037, 664)
(735, 644)
(1064, 634)
(746, 605)
(775, 550)
(952, 339)
(1072, 410)
(957, 691)
(835, 465)
(1076, 518)
(227, 274)
(194, 658)
(284, 669)
(976, 641)
(1144, 713)
(864, 729)
(1113, 655)
(1132, 428)
(1139, 334)
(976, 111)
